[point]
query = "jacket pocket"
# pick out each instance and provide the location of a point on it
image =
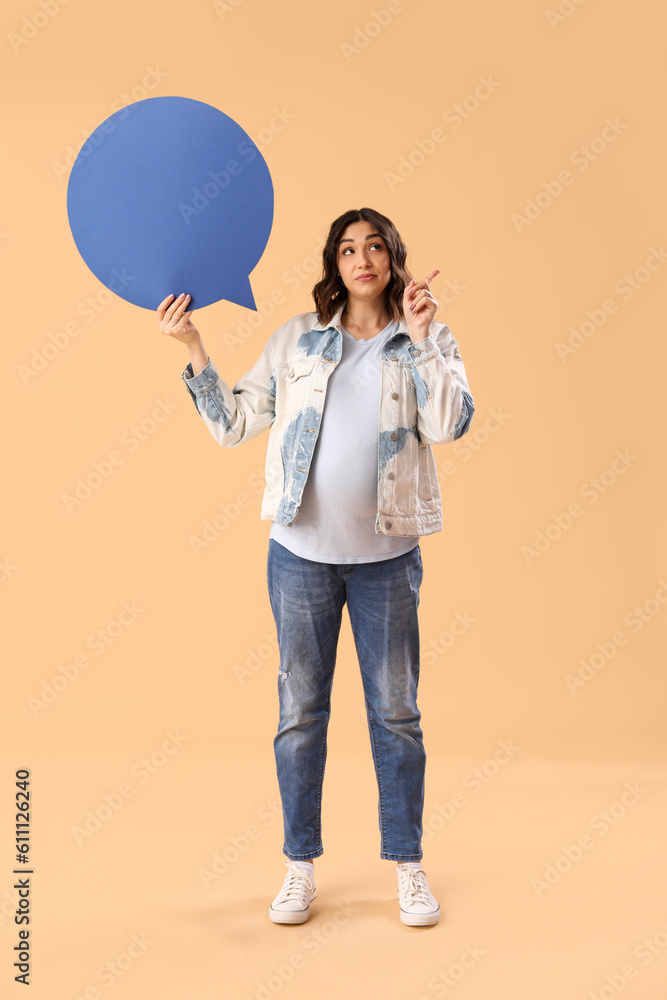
(296, 383)
(297, 369)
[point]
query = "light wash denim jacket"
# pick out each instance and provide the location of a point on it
(425, 401)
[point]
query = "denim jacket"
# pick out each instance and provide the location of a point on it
(425, 401)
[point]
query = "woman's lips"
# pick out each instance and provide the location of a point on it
(365, 277)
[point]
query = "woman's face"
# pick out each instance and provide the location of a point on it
(361, 251)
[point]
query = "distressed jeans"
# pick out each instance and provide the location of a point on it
(382, 597)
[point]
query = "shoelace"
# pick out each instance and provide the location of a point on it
(414, 887)
(294, 887)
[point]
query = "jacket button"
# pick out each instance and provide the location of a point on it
(390, 475)
(394, 395)
(394, 436)
(387, 524)
(417, 352)
(393, 357)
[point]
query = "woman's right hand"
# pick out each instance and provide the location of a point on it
(175, 322)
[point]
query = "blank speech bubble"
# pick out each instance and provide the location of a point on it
(167, 195)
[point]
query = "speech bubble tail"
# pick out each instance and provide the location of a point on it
(242, 293)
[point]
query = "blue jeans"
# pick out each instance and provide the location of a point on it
(307, 599)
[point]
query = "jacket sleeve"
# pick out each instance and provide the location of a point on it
(238, 414)
(445, 405)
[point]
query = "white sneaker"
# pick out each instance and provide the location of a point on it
(291, 905)
(418, 904)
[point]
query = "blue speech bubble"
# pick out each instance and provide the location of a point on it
(171, 195)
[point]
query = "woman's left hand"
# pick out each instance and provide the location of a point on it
(419, 307)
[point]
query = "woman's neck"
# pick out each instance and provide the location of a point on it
(364, 319)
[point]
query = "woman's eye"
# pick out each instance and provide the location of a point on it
(378, 245)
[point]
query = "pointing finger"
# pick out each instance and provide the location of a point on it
(423, 283)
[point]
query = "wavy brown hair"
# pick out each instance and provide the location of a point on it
(330, 291)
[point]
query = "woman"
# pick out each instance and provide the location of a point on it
(355, 394)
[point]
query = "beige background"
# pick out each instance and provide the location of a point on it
(199, 657)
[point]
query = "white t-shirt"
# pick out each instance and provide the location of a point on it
(336, 520)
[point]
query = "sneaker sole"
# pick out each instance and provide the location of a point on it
(290, 916)
(420, 919)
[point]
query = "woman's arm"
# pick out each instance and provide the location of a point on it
(238, 414)
(445, 406)
(198, 356)
(231, 415)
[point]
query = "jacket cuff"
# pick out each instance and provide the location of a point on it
(424, 350)
(204, 381)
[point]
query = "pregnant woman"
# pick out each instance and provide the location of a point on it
(355, 394)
